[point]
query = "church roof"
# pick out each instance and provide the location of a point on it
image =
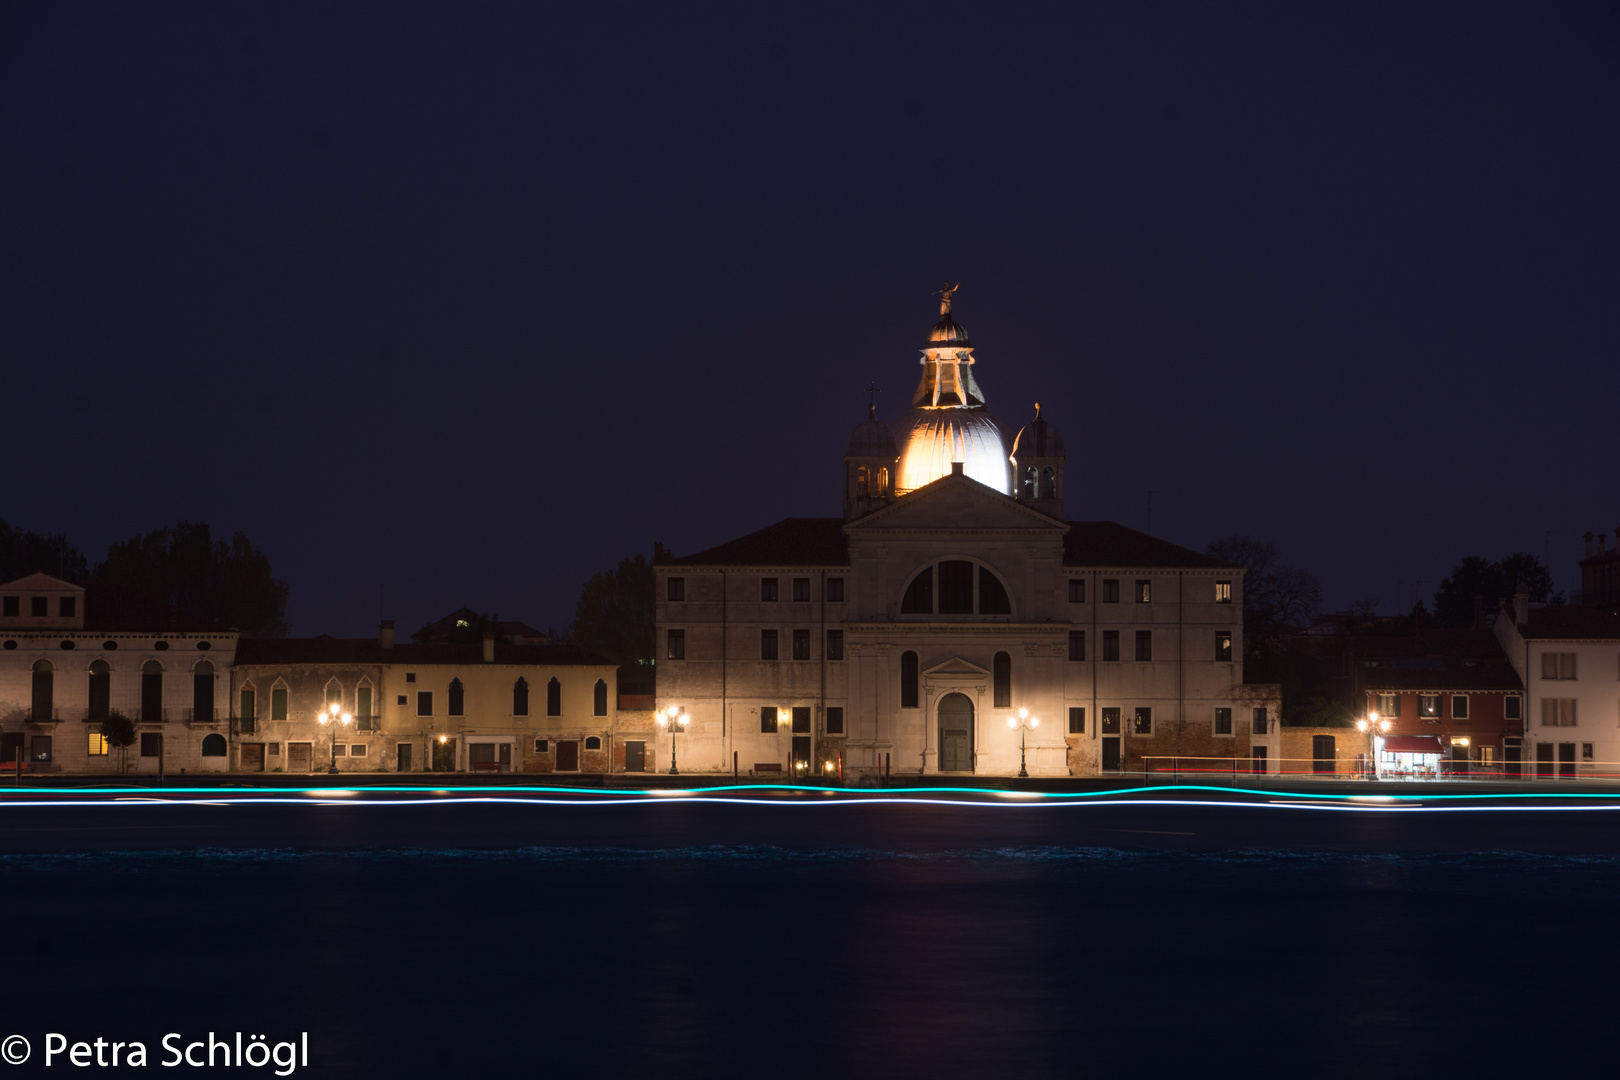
(1105, 543)
(790, 542)
(331, 650)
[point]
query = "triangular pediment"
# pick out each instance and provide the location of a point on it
(957, 666)
(42, 583)
(956, 503)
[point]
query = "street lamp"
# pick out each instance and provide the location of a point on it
(1021, 723)
(676, 720)
(333, 717)
(1374, 727)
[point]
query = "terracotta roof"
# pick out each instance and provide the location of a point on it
(790, 542)
(331, 650)
(1105, 543)
(1569, 621)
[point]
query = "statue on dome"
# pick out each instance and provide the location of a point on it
(945, 297)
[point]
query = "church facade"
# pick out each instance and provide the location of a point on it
(953, 622)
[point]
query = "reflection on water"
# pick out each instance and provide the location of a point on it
(866, 961)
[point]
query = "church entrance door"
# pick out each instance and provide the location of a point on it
(955, 733)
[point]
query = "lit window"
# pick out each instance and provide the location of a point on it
(1429, 706)
(1110, 721)
(1223, 644)
(98, 744)
(1142, 723)
(1223, 592)
(1144, 592)
(1389, 705)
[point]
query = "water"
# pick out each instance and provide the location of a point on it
(730, 941)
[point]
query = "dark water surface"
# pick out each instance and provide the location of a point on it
(688, 940)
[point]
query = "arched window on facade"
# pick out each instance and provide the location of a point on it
(334, 695)
(1002, 676)
(202, 692)
(881, 488)
(213, 745)
(457, 699)
(593, 742)
(908, 680)
(520, 697)
(599, 697)
(861, 487)
(955, 587)
(151, 691)
(100, 690)
(554, 698)
(44, 691)
(993, 599)
(919, 598)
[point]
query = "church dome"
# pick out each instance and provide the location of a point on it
(1038, 439)
(872, 439)
(948, 332)
(931, 439)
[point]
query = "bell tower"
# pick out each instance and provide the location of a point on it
(870, 464)
(1037, 460)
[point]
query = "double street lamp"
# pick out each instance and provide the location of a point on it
(1374, 727)
(1022, 723)
(676, 720)
(333, 717)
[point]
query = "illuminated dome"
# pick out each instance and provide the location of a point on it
(948, 332)
(931, 439)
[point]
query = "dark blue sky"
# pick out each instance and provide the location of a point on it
(476, 300)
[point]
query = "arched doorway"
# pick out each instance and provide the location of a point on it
(955, 733)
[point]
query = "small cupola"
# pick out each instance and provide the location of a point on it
(870, 464)
(1037, 460)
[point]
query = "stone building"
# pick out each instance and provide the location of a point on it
(67, 659)
(449, 707)
(950, 608)
(1568, 658)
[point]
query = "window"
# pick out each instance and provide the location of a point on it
(410, 676)
(1559, 665)
(40, 748)
(357, 749)
(39, 606)
(1077, 644)
(12, 607)
(278, 703)
(1428, 706)
(993, 599)
(675, 588)
(835, 644)
(593, 742)
(955, 587)
(880, 482)
(768, 715)
(1557, 712)
(364, 715)
(334, 693)
(599, 696)
(151, 691)
(801, 719)
(520, 697)
(202, 692)
(1586, 751)
(1259, 720)
(1110, 591)
(1142, 722)
(246, 705)
(1223, 720)
(1110, 645)
(1459, 706)
(676, 640)
(456, 703)
(152, 744)
(767, 588)
(835, 719)
(424, 703)
(860, 482)
(767, 644)
(1257, 759)
(801, 644)
(1144, 592)
(1513, 707)
(1110, 721)
(98, 744)
(835, 590)
(542, 746)
(1001, 672)
(401, 700)
(213, 745)
(340, 749)
(44, 700)
(801, 590)
(66, 606)
(1144, 645)
(908, 680)
(919, 598)
(1223, 592)
(554, 697)
(1077, 720)
(1077, 590)
(1389, 705)
(100, 690)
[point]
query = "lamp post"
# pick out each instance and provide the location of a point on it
(676, 720)
(332, 716)
(1022, 723)
(1374, 727)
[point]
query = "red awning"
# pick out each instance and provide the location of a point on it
(1412, 744)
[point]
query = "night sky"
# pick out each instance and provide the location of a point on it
(476, 300)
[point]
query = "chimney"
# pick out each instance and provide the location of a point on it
(956, 468)
(385, 633)
(1588, 545)
(1521, 607)
(489, 648)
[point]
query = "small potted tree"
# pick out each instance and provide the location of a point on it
(119, 731)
